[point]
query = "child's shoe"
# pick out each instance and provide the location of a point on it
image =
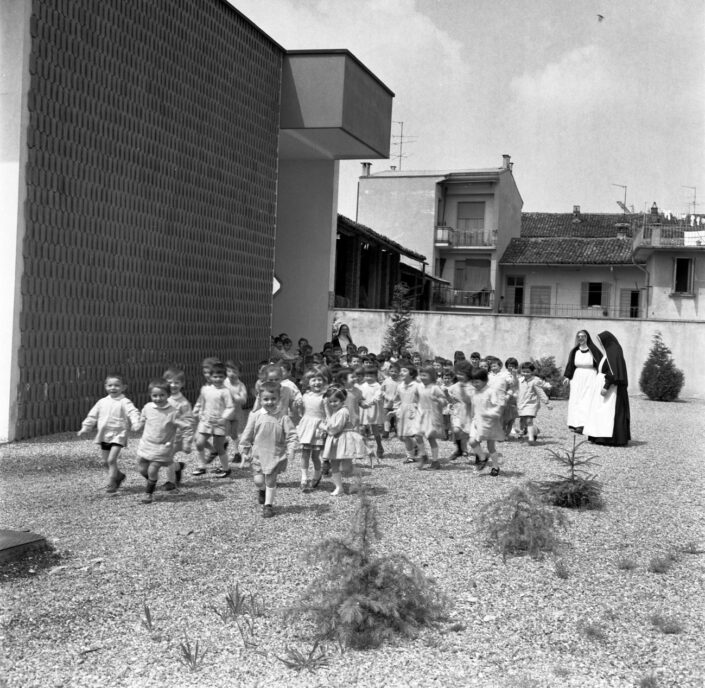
(409, 459)
(455, 455)
(260, 496)
(316, 480)
(423, 461)
(435, 466)
(305, 486)
(167, 487)
(237, 461)
(495, 471)
(148, 498)
(180, 465)
(198, 471)
(337, 492)
(115, 484)
(380, 452)
(267, 511)
(223, 474)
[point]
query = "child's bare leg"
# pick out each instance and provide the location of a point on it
(104, 454)
(337, 477)
(409, 445)
(316, 460)
(531, 429)
(115, 477)
(270, 488)
(203, 445)
(377, 434)
(219, 447)
(433, 443)
(152, 477)
(305, 460)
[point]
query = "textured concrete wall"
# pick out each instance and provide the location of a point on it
(440, 334)
(151, 198)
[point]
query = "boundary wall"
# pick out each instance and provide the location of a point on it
(440, 334)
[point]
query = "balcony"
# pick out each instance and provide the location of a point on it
(447, 297)
(664, 236)
(472, 238)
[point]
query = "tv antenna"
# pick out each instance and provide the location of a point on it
(623, 204)
(398, 141)
(695, 197)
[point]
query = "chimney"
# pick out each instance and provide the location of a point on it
(366, 169)
(654, 210)
(393, 168)
(506, 164)
(576, 211)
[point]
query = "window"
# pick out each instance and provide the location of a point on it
(540, 301)
(515, 295)
(471, 216)
(683, 276)
(595, 295)
(629, 303)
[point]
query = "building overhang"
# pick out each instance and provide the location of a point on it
(332, 108)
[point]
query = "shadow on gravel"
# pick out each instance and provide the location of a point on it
(318, 509)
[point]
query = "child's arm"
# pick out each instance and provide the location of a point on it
(134, 416)
(538, 387)
(229, 410)
(90, 421)
(248, 436)
(336, 422)
(198, 407)
(291, 437)
(239, 394)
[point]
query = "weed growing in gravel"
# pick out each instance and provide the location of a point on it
(519, 523)
(246, 627)
(662, 564)
(561, 569)
(298, 661)
(626, 564)
(594, 631)
(669, 625)
(577, 489)
(649, 681)
(146, 619)
(361, 599)
(237, 604)
(190, 654)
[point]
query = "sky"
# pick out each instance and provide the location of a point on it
(584, 106)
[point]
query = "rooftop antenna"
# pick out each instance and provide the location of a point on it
(400, 141)
(695, 197)
(623, 204)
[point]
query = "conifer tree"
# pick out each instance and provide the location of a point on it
(397, 338)
(660, 380)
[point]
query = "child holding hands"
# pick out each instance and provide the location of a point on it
(113, 415)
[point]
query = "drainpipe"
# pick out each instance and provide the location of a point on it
(646, 274)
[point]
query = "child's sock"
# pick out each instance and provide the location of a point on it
(171, 473)
(269, 494)
(459, 445)
(151, 486)
(434, 453)
(304, 475)
(338, 482)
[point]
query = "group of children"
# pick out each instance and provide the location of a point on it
(337, 412)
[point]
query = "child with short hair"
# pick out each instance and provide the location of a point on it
(113, 415)
(268, 442)
(430, 424)
(290, 397)
(176, 379)
(486, 420)
(343, 444)
(405, 409)
(447, 380)
(214, 410)
(161, 421)
(529, 397)
(461, 408)
(310, 428)
(372, 411)
(511, 365)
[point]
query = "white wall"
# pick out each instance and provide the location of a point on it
(661, 278)
(440, 334)
(14, 56)
(304, 261)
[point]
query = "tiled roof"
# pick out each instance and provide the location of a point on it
(588, 225)
(357, 228)
(568, 251)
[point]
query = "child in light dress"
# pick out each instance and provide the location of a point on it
(430, 416)
(343, 444)
(268, 442)
(405, 409)
(529, 397)
(447, 380)
(214, 410)
(511, 366)
(372, 409)
(238, 392)
(113, 416)
(389, 391)
(310, 427)
(161, 421)
(487, 407)
(176, 379)
(460, 398)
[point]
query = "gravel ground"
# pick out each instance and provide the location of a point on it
(73, 618)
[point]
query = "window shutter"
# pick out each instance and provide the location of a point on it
(584, 291)
(625, 302)
(605, 300)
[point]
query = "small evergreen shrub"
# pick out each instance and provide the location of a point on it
(519, 524)
(660, 380)
(361, 599)
(576, 489)
(397, 337)
(548, 371)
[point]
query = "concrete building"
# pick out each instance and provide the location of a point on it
(463, 220)
(162, 162)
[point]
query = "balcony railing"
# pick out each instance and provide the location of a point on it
(472, 238)
(587, 312)
(657, 236)
(447, 297)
